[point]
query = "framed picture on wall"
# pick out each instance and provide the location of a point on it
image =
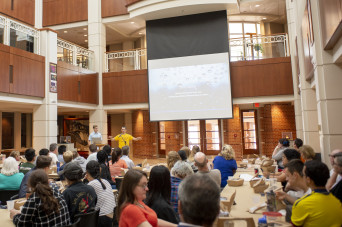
(53, 77)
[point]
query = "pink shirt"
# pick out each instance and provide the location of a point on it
(115, 170)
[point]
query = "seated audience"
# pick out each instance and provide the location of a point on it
(104, 193)
(277, 154)
(108, 150)
(44, 207)
(320, 208)
(44, 151)
(159, 194)
(10, 178)
(92, 152)
(187, 151)
(225, 162)
(15, 155)
(307, 153)
(178, 172)
(130, 202)
(79, 197)
(67, 157)
(183, 156)
(61, 150)
(30, 155)
(53, 153)
(116, 163)
(298, 143)
(337, 189)
(334, 177)
(199, 201)
(80, 160)
(43, 162)
(102, 158)
(171, 158)
(191, 160)
(201, 162)
(125, 152)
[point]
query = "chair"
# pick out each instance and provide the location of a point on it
(75, 224)
(221, 221)
(229, 204)
(6, 195)
(89, 219)
(118, 181)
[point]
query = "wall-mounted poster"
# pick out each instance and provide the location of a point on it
(53, 77)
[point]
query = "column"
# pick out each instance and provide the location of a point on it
(17, 130)
(0, 131)
(45, 115)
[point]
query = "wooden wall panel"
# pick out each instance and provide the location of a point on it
(125, 87)
(89, 88)
(4, 68)
(111, 8)
(23, 10)
(131, 2)
(266, 77)
(64, 11)
(331, 20)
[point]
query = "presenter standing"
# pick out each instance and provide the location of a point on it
(125, 138)
(94, 134)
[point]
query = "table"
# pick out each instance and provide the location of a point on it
(6, 221)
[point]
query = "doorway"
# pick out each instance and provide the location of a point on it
(249, 132)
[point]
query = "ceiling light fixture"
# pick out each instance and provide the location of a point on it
(132, 22)
(257, 5)
(264, 18)
(85, 35)
(65, 31)
(140, 33)
(85, 29)
(86, 41)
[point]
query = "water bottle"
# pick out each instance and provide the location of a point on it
(262, 222)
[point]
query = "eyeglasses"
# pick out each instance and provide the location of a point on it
(335, 155)
(144, 186)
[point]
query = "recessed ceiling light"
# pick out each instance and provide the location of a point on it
(140, 33)
(257, 5)
(86, 41)
(132, 22)
(264, 18)
(65, 31)
(85, 35)
(85, 29)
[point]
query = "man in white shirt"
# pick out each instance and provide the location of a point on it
(334, 177)
(94, 135)
(125, 152)
(92, 153)
(53, 153)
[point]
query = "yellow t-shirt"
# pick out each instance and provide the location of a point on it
(123, 139)
(317, 209)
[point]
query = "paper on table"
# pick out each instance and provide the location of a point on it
(246, 177)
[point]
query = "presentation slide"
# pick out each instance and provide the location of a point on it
(192, 87)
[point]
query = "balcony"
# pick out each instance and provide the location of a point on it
(126, 60)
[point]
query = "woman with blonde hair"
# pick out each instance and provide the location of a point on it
(226, 163)
(191, 159)
(171, 158)
(10, 178)
(307, 153)
(15, 155)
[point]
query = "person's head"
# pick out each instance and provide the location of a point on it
(187, 150)
(133, 188)
(316, 173)
(182, 154)
(333, 154)
(199, 200)
(92, 148)
(39, 184)
(294, 171)
(280, 142)
(44, 151)
(107, 149)
(43, 162)
(53, 148)
(297, 143)
(72, 172)
(201, 161)
(116, 154)
(290, 154)
(195, 149)
(123, 130)
(93, 170)
(125, 150)
(30, 154)
(10, 167)
(181, 170)
(95, 128)
(159, 184)
(171, 158)
(102, 157)
(307, 152)
(227, 152)
(75, 154)
(15, 155)
(337, 164)
(68, 156)
(61, 149)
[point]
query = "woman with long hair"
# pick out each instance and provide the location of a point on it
(105, 196)
(159, 194)
(171, 158)
(10, 178)
(44, 207)
(116, 163)
(130, 203)
(226, 163)
(102, 158)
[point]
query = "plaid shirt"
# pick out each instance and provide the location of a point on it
(175, 181)
(33, 215)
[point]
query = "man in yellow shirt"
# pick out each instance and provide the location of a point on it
(125, 138)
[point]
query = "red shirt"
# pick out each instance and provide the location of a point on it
(115, 170)
(133, 215)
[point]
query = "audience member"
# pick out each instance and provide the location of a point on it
(307, 153)
(79, 197)
(116, 164)
(10, 178)
(226, 163)
(102, 158)
(130, 202)
(178, 172)
(320, 208)
(43, 162)
(92, 152)
(30, 155)
(337, 189)
(159, 194)
(201, 163)
(199, 201)
(61, 150)
(80, 160)
(44, 151)
(104, 193)
(67, 157)
(108, 150)
(187, 151)
(334, 177)
(15, 155)
(125, 152)
(183, 156)
(191, 160)
(53, 153)
(297, 144)
(171, 158)
(44, 207)
(277, 154)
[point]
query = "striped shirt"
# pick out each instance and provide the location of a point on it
(105, 197)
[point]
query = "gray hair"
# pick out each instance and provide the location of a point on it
(200, 155)
(125, 150)
(338, 158)
(199, 198)
(10, 167)
(181, 169)
(53, 146)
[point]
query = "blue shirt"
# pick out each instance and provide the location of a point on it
(226, 168)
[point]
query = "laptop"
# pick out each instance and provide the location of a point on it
(97, 140)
